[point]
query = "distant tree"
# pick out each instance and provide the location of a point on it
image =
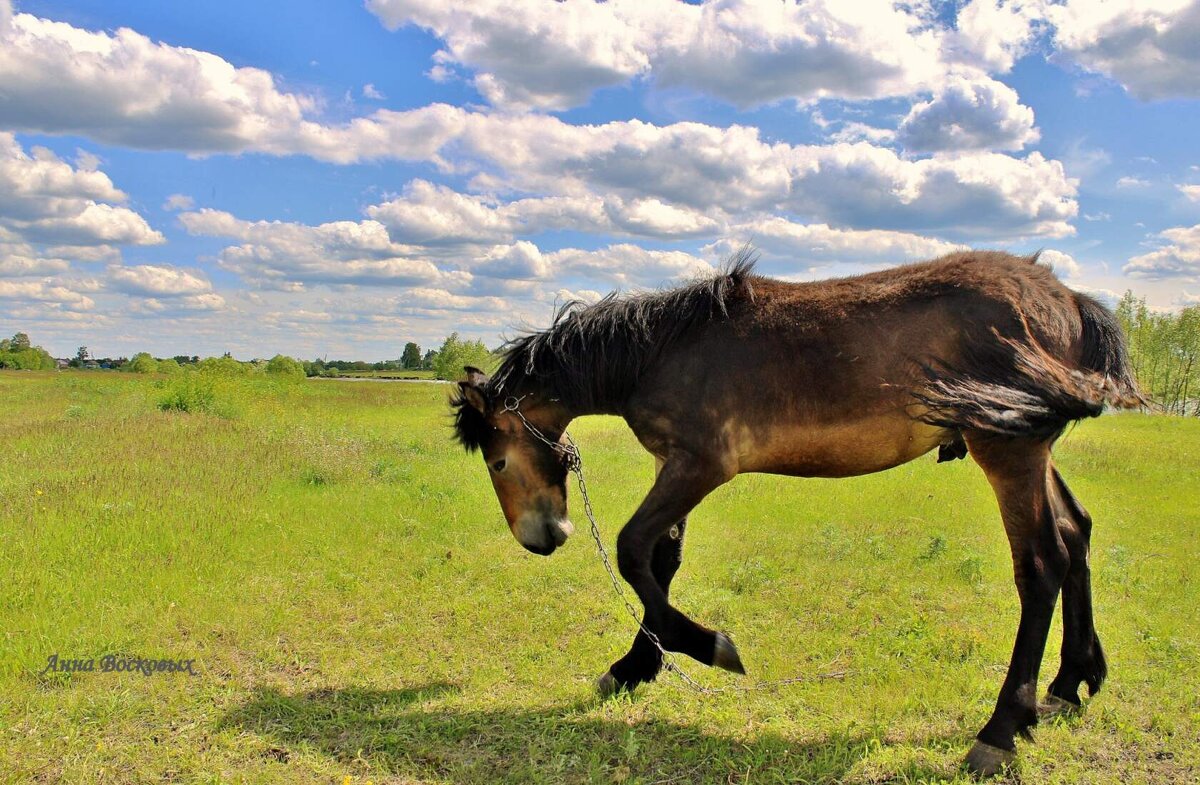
(427, 360)
(81, 356)
(286, 367)
(1164, 350)
(222, 366)
(456, 353)
(17, 353)
(169, 365)
(142, 362)
(411, 359)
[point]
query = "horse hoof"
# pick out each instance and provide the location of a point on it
(607, 686)
(725, 655)
(984, 760)
(1054, 706)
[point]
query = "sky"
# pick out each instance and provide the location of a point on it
(336, 179)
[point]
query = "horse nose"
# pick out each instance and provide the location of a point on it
(560, 531)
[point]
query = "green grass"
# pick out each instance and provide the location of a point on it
(358, 611)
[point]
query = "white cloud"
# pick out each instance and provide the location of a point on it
(734, 170)
(179, 202)
(370, 91)
(966, 114)
(280, 255)
(1149, 46)
(124, 89)
(1132, 182)
(1062, 263)
(526, 53)
(1192, 192)
(52, 213)
(48, 291)
(184, 305)
(786, 240)
(157, 281)
(1178, 258)
(993, 34)
(625, 265)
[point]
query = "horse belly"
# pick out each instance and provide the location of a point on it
(841, 449)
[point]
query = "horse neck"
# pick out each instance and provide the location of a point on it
(560, 406)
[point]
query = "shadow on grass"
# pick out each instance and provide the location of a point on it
(405, 734)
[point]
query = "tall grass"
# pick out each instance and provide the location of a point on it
(357, 608)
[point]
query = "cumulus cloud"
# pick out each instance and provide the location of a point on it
(1062, 263)
(969, 114)
(732, 169)
(1192, 192)
(179, 202)
(994, 34)
(177, 306)
(784, 239)
(157, 281)
(526, 53)
(125, 89)
(49, 292)
(283, 255)
(1149, 46)
(52, 213)
(1178, 258)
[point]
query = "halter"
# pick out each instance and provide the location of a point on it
(574, 463)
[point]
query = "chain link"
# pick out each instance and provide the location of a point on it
(574, 462)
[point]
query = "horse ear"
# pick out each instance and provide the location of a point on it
(475, 376)
(473, 389)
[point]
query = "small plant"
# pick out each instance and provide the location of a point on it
(970, 570)
(934, 550)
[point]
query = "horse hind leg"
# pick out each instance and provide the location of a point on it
(1019, 472)
(644, 661)
(1082, 656)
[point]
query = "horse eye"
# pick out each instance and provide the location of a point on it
(498, 466)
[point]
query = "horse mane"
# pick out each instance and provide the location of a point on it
(592, 356)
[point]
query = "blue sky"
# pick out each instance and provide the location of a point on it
(336, 179)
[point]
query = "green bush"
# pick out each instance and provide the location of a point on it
(285, 367)
(222, 366)
(142, 362)
(189, 392)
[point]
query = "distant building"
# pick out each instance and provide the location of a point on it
(60, 363)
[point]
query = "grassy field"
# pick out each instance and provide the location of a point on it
(358, 612)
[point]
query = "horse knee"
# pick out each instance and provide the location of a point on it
(632, 555)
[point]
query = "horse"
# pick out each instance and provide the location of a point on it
(977, 352)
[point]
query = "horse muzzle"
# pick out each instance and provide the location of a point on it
(545, 537)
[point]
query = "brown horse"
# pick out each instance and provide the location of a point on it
(976, 351)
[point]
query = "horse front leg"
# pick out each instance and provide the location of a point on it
(643, 661)
(681, 483)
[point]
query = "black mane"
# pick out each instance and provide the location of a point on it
(592, 356)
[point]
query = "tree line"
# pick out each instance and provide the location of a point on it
(1164, 349)
(445, 362)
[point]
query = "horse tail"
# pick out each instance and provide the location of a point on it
(1015, 387)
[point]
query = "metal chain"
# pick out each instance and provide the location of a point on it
(574, 462)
